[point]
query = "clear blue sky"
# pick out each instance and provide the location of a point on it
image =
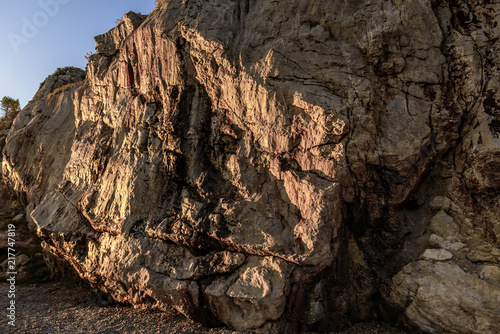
(38, 36)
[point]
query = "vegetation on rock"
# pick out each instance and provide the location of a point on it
(10, 109)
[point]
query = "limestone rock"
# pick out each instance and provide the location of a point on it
(40, 140)
(441, 297)
(444, 225)
(436, 255)
(22, 259)
(3, 138)
(18, 217)
(257, 295)
(268, 165)
(62, 77)
(440, 242)
(491, 274)
(31, 223)
(109, 43)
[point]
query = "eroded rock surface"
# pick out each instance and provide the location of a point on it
(278, 166)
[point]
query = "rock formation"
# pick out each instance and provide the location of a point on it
(279, 166)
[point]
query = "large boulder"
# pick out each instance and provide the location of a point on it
(277, 166)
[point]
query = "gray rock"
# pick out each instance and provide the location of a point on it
(268, 164)
(18, 217)
(258, 294)
(441, 297)
(21, 260)
(444, 225)
(436, 255)
(31, 223)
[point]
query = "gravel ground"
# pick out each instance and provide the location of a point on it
(55, 308)
(52, 308)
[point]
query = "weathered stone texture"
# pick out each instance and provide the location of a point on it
(279, 166)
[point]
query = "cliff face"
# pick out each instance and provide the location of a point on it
(279, 166)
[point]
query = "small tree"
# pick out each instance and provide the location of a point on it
(9, 107)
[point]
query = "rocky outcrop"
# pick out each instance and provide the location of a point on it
(278, 167)
(40, 140)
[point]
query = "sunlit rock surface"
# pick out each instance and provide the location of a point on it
(278, 166)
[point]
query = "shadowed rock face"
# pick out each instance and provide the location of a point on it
(279, 166)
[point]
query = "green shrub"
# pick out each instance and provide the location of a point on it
(63, 70)
(10, 108)
(59, 71)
